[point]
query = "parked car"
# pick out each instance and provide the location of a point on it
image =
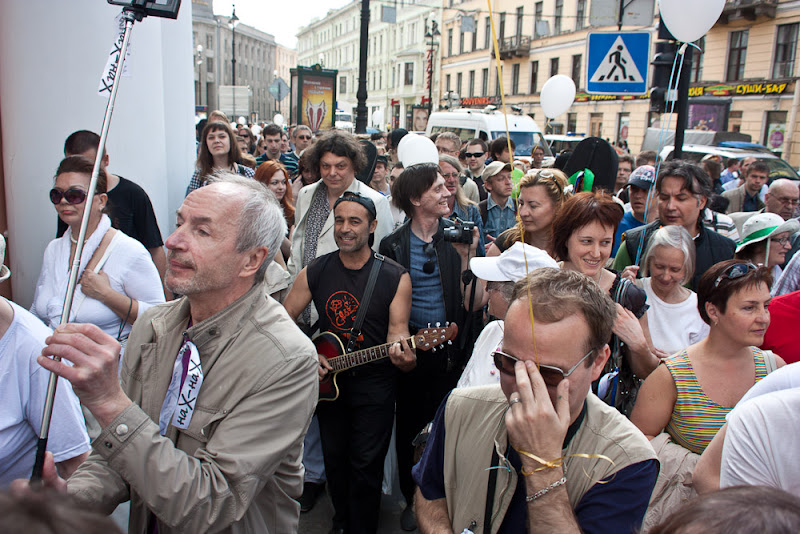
(778, 168)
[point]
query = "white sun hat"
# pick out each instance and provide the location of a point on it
(510, 265)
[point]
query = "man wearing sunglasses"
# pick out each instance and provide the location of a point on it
(539, 452)
(475, 156)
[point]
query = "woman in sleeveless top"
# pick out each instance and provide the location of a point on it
(690, 395)
(117, 280)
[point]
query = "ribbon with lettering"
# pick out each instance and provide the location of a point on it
(180, 402)
(112, 63)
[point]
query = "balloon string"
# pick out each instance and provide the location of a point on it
(671, 87)
(498, 66)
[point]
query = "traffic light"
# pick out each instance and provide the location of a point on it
(662, 68)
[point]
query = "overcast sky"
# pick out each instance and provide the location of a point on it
(281, 18)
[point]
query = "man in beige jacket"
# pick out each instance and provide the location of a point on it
(205, 432)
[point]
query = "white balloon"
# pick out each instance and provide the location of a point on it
(377, 117)
(414, 148)
(689, 20)
(558, 94)
(242, 121)
(278, 119)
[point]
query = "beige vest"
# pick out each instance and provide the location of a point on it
(475, 422)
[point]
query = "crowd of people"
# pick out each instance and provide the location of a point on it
(549, 356)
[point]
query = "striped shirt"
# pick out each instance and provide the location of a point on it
(695, 418)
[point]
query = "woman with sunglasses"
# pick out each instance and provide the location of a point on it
(689, 395)
(460, 206)
(766, 238)
(582, 238)
(218, 151)
(249, 138)
(117, 279)
(541, 195)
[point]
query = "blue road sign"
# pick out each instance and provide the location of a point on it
(617, 63)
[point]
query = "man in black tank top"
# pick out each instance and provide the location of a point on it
(357, 426)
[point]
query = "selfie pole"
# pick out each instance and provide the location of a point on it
(129, 15)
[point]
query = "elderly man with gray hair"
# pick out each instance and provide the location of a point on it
(205, 431)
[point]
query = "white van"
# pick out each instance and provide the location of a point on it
(489, 124)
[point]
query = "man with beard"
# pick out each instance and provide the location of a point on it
(357, 426)
(205, 431)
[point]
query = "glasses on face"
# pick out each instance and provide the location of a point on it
(430, 265)
(449, 175)
(789, 201)
(73, 195)
(735, 271)
(304, 137)
(474, 154)
(552, 376)
(443, 150)
(782, 241)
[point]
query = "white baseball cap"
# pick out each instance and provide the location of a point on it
(764, 225)
(510, 265)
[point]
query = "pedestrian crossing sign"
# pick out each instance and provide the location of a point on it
(617, 63)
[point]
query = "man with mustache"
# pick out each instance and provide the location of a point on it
(357, 426)
(205, 431)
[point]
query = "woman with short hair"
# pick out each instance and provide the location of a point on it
(673, 319)
(689, 395)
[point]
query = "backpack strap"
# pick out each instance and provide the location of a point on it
(365, 299)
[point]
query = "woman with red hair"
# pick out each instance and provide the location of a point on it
(273, 174)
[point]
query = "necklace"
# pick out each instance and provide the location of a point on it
(75, 241)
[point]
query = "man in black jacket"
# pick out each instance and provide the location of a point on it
(682, 192)
(441, 292)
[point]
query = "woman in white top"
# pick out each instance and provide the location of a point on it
(673, 318)
(121, 281)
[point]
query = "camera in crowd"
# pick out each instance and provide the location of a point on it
(460, 232)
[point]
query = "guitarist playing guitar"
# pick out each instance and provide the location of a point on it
(357, 427)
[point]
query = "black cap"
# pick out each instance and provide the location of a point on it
(355, 196)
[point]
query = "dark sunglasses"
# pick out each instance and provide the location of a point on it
(429, 266)
(552, 376)
(304, 137)
(734, 271)
(473, 154)
(73, 195)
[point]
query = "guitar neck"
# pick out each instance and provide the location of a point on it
(361, 357)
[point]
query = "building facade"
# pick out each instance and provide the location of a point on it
(213, 54)
(397, 58)
(285, 60)
(744, 79)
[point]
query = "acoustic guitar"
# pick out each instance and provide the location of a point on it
(330, 345)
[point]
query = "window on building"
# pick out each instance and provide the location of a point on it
(515, 79)
(459, 79)
(580, 15)
(474, 36)
(409, 77)
(553, 66)
(696, 75)
(501, 32)
(487, 42)
(735, 121)
(785, 47)
(596, 124)
(737, 53)
(534, 77)
(538, 17)
(471, 83)
(572, 122)
(518, 33)
(209, 63)
(343, 84)
(485, 82)
(209, 41)
(450, 42)
(460, 42)
(447, 83)
(558, 16)
(497, 91)
(576, 69)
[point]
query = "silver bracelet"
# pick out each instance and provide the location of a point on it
(554, 485)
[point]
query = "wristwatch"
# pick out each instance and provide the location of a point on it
(467, 276)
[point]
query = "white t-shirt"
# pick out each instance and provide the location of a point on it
(673, 327)
(762, 441)
(130, 271)
(480, 370)
(23, 389)
(786, 377)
